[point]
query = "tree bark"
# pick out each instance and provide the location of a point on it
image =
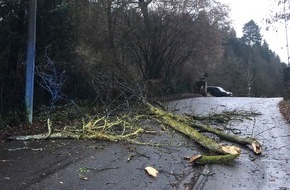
(256, 146)
(176, 123)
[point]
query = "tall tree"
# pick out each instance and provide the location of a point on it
(170, 34)
(251, 33)
(244, 66)
(281, 13)
(13, 37)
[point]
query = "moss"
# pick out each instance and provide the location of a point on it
(216, 159)
(194, 135)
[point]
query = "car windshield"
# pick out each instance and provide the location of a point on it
(221, 89)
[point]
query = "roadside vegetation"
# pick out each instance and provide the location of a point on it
(284, 107)
(158, 49)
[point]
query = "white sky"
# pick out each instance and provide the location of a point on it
(242, 11)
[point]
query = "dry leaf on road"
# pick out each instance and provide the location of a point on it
(151, 171)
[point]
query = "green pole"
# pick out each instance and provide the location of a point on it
(30, 59)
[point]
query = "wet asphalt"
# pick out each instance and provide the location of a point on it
(269, 171)
(99, 165)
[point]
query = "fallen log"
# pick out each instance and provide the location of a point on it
(186, 120)
(176, 122)
(216, 159)
(191, 127)
(256, 146)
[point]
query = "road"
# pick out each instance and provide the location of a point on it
(69, 164)
(99, 165)
(271, 170)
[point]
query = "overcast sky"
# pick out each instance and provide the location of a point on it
(242, 11)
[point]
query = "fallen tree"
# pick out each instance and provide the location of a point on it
(127, 128)
(189, 127)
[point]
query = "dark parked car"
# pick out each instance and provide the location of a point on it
(218, 91)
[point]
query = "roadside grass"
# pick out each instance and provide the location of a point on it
(284, 107)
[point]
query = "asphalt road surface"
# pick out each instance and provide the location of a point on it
(99, 165)
(271, 170)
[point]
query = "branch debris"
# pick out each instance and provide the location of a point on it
(128, 128)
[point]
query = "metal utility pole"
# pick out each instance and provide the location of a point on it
(30, 60)
(286, 30)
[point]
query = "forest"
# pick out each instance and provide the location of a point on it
(102, 51)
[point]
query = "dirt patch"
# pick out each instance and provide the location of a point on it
(284, 107)
(22, 129)
(39, 126)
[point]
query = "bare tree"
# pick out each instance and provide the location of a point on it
(163, 36)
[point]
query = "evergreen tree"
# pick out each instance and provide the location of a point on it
(251, 33)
